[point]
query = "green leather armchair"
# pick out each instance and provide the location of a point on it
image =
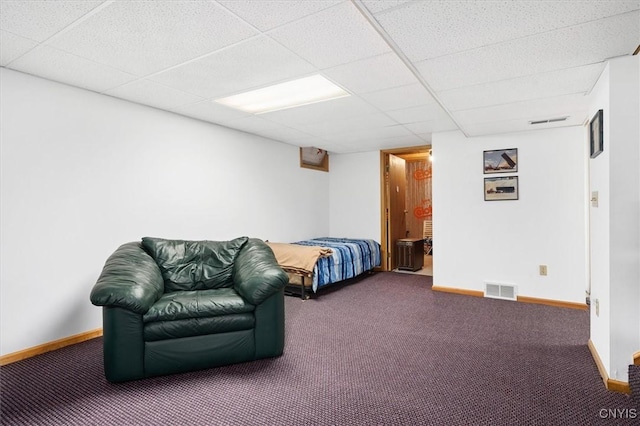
(172, 306)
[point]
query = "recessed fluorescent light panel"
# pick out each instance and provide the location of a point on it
(291, 94)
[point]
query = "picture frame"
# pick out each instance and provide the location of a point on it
(500, 161)
(501, 188)
(596, 142)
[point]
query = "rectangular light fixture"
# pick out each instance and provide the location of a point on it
(291, 94)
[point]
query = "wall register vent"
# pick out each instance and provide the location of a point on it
(550, 120)
(500, 291)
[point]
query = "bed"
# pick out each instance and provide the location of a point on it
(319, 262)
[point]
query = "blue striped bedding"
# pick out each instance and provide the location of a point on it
(350, 258)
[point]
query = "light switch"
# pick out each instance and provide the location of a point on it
(594, 199)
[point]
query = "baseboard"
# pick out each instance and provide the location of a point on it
(462, 291)
(551, 302)
(636, 358)
(524, 299)
(610, 384)
(50, 346)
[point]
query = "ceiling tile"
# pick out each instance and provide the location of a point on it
(63, 67)
(268, 14)
(400, 97)
(372, 74)
(565, 48)
(39, 20)
(424, 30)
(535, 109)
(143, 37)
(556, 83)
(371, 133)
(332, 37)
(247, 65)
(13, 46)
(509, 126)
(375, 6)
(257, 125)
(324, 129)
(210, 111)
(156, 95)
(418, 114)
(432, 126)
(321, 112)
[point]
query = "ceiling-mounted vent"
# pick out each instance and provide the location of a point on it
(500, 291)
(550, 120)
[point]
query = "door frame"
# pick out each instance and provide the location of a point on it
(386, 248)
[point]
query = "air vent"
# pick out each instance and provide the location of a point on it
(500, 291)
(550, 120)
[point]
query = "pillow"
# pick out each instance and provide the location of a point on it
(194, 265)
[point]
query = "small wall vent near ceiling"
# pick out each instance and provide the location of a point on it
(500, 291)
(549, 120)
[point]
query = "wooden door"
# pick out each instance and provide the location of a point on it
(397, 213)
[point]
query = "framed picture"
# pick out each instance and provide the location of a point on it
(501, 188)
(595, 134)
(501, 161)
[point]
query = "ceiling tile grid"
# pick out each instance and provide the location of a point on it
(486, 66)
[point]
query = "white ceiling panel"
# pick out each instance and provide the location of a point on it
(535, 109)
(269, 14)
(13, 46)
(493, 65)
(509, 126)
(257, 125)
(321, 112)
(324, 129)
(244, 66)
(372, 74)
(565, 48)
(211, 111)
(375, 6)
(432, 126)
(143, 37)
(156, 95)
(420, 113)
(39, 20)
(332, 37)
(557, 83)
(63, 67)
(425, 30)
(400, 97)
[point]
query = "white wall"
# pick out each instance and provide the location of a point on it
(355, 195)
(505, 241)
(83, 173)
(615, 223)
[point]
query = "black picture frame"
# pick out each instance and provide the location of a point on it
(501, 188)
(500, 161)
(596, 140)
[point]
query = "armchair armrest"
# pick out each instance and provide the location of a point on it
(130, 279)
(256, 274)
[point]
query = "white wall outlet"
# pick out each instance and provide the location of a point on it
(543, 269)
(597, 308)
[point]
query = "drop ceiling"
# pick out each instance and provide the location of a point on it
(412, 68)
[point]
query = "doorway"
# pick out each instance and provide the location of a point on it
(405, 202)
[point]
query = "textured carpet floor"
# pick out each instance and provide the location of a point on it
(383, 351)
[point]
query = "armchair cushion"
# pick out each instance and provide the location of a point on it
(256, 273)
(179, 305)
(130, 279)
(194, 265)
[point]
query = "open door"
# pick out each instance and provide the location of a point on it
(396, 220)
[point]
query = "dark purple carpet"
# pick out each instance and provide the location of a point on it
(383, 351)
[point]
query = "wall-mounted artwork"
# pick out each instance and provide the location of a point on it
(501, 188)
(501, 161)
(595, 134)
